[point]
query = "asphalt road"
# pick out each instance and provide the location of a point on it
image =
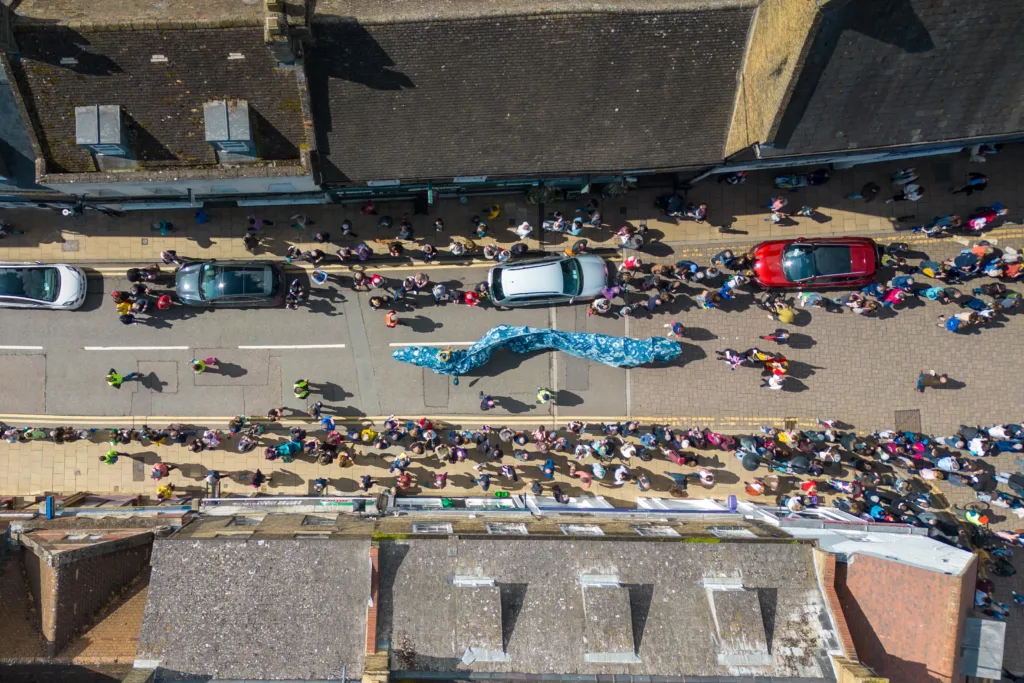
(860, 370)
(336, 341)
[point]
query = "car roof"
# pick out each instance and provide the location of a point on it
(532, 278)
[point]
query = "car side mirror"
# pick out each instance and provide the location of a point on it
(572, 300)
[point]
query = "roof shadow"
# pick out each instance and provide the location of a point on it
(640, 596)
(344, 50)
(890, 21)
(513, 596)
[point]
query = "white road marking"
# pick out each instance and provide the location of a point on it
(136, 348)
(295, 346)
(21, 348)
(427, 343)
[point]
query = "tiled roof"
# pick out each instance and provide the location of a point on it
(264, 609)
(881, 73)
(905, 621)
(107, 11)
(590, 607)
(161, 101)
(533, 94)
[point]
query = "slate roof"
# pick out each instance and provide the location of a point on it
(661, 613)
(162, 103)
(438, 89)
(894, 72)
(906, 622)
(225, 608)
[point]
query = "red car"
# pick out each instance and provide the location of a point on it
(826, 263)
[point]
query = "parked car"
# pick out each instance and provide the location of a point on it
(827, 262)
(231, 284)
(546, 281)
(52, 285)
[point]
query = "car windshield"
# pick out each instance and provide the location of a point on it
(218, 281)
(805, 261)
(496, 292)
(572, 280)
(41, 284)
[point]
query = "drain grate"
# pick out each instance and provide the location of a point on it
(138, 470)
(69, 245)
(908, 421)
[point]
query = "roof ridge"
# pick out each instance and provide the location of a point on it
(140, 25)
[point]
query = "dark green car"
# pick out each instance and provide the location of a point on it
(257, 284)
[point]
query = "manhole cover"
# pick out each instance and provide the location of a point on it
(69, 245)
(908, 421)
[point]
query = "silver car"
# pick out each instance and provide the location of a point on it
(546, 281)
(42, 285)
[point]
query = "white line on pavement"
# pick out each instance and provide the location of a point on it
(427, 343)
(21, 348)
(135, 348)
(295, 346)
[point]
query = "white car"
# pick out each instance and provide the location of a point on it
(546, 281)
(42, 285)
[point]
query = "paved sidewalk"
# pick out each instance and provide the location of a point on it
(43, 467)
(96, 238)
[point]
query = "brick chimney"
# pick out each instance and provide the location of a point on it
(276, 34)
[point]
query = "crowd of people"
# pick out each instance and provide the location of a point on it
(883, 476)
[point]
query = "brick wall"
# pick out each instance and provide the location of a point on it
(84, 587)
(904, 621)
(371, 611)
(68, 596)
(41, 583)
(825, 563)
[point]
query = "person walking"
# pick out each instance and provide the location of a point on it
(199, 366)
(675, 329)
(976, 182)
(544, 396)
(911, 192)
(779, 336)
(110, 457)
(775, 382)
(116, 379)
(391, 319)
(258, 479)
(301, 388)
(930, 379)
(161, 470)
(486, 402)
(213, 478)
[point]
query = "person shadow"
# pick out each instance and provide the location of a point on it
(421, 324)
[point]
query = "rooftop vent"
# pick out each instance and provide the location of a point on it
(243, 520)
(739, 624)
(608, 618)
(506, 528)
(68, 61)
(479, 631)
(229, 130)
(236, 55)
(99, 128)
(431, 528)
(158, 59)
(655, 530)
(581, 529)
